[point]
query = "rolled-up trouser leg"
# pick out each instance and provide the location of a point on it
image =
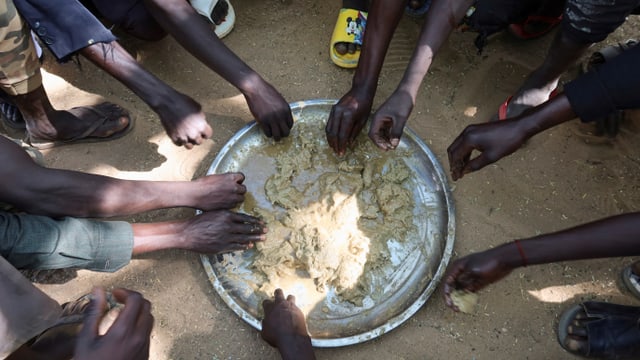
(25, 311)
(19, 65)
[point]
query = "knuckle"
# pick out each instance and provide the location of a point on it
(136, 296)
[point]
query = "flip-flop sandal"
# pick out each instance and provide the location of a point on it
(70, 321)
(349, 28)
(631, 281)
(205, 8)
(548, 23)
(613, 330)
(84, 137)
(502, 110)
(419, 12)
(10, 113)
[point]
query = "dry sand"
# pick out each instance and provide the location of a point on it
(561, 178)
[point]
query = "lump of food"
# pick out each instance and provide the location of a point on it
(466, 301)
(333, 215)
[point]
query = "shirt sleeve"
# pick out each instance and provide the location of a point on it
(64, 26)
(614, 85)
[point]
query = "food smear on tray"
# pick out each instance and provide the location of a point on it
(335, 219)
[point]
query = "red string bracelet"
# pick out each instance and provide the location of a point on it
(522, 256)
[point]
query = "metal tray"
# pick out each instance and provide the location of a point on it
(410, 279)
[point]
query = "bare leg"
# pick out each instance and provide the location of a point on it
(541, 82)
(181, 116)
(220, 12)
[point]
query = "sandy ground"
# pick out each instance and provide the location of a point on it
(561, 178)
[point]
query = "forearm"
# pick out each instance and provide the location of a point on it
(55, 192)
(194, 33)
(117, 62)
(440, 21)
(611, 237)
(545, 116)
(382, 21)
(44, 191)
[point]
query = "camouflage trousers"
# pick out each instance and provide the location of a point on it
(19, 64)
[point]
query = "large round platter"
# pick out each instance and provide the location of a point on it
(408, 280)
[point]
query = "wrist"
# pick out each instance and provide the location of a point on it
(529, 124)
(295, 347)
(408, 91)
(410, 87)
(364, 84)
(509, 256)
(362, 95)
(546, 115)
(192, 192)
(251, 84)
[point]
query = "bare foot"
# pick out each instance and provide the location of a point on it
(577, 340)
(220, 191)
(416, 4)
(417, 8)
(46, 123)
(220, 12)
(221, 231)
(345, 47)
(526, 99)
(183, 120)
(600, 330)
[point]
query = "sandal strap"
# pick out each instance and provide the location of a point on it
(614, 331)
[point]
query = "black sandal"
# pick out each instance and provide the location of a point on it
(613, 331)
(10, 113)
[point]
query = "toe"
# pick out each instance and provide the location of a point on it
(341, 48)
(577, 330)
(576, 345)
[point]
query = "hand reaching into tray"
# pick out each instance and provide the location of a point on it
(284, 327)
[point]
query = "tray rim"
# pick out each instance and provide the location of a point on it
(393, 322)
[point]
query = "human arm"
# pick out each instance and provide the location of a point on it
(180, 115)
(389, 120)
(611, 237)
(53, 192)
(109, 245)
(284, 327)
(127, 338)
(611, 86)
(495, 140)
(193, 32)
(350, 114)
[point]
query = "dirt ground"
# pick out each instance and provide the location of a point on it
(562, 177)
